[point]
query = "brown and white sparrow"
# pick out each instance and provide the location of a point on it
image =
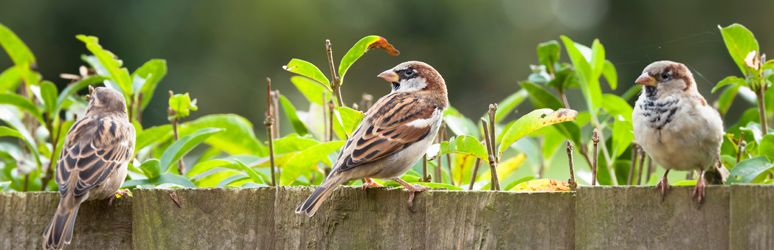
(394, 134)
(93, 161)
(676, 126)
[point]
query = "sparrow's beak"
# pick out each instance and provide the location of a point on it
(389, 75)
(645, 80)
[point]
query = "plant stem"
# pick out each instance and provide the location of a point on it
(492, 137)
(650, 169)
(424, 169)
(564, 98)
(330, 121)
(269, 123)
(474, 173)
(642, 165)
(51, 165)
(608, 159)
(573, 183)
(336, 83)
(634, 164)
(494, 182)
(171, 112)
(139, 108)
(762, 107)
(739, 147)
(595, 156)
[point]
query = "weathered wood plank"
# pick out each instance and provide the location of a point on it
(752, 217)
(350, 218)
(24, 217)
(210, 218)
(634, 217)
(500, 220)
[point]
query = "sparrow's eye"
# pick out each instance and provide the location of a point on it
(665, 75)
(409, 72)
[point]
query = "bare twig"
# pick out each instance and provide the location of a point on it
(325, 117)
(739, 147)
(474, 173)
(633, 167)
(495, 182)
(760, 93)
(492, 137)
(425, 177)
(564, 98)
(573, 183)
(275, 113)
(642, 165)
(595, 157)
(139, 108)
(336, 83)
(269, 127)
(330, 120)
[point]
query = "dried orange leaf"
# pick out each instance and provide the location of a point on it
(360, 48)
(542, 185)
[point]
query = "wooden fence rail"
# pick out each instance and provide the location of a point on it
(631, 217)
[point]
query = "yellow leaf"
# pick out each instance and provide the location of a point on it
(544, 185)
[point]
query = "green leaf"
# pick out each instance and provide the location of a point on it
(739, 41)
(754, 129)
(685, 183)
(597, 58)
(232, 179)
(459, 124)
(766, 147)
(631, 92)
(110, 62)
(23, 104)
(726, 99)
(307, 159)
(616, 106)
(746, 171)
(254, 176)
(548, 54)
(610, 74)
(182, 105)
(465, 144)
(208, 165)
(307, 69)
(14, 121)
(360, 48)
(730, 80)
(48, 92)
(18, 51)
(292, 144)
(506, 106)
(437, 185)
(162, 179)
(238, 137)
(312, 90)
(181, 147)
(534, 121)
(151, 168)
(551, 141)
(290, 111)
(749, 115)
(155, 134)
(348, 119)
(10, 79)
(588, 79)
(570, 130)
(622, 136)
(69, 90)
(540, 97)
(151, 72)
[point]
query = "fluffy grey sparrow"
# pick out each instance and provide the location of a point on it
(394, 134)
(674, 124)
(93, 161)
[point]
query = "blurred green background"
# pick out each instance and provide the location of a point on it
(221, 52)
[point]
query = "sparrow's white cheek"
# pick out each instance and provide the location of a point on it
(411, 85)
(421, 123)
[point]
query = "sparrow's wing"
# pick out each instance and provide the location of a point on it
(95, 147)
(393, 124)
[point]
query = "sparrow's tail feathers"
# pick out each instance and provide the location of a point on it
(718, 175)
(310, 206)
(60, 230)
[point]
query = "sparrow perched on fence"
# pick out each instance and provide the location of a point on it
(394, 134)
(676, 126)
(93, 161)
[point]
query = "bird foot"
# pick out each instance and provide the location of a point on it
(412, 189)
(370, 183)
(664, 185)
(118, 194)
(699, 190)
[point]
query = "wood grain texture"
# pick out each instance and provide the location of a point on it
(634, 217)
(24, 216)
(752, 217)
(210, 218)
(350, 218)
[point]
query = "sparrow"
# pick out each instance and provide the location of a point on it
(93, 161)
(674, 124)
(394, 134)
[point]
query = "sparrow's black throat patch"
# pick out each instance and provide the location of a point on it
(659, 113)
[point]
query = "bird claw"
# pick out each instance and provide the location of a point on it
(412, 189)
(370, 183)
(664, 185)
(119, 193)
(699, 190)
